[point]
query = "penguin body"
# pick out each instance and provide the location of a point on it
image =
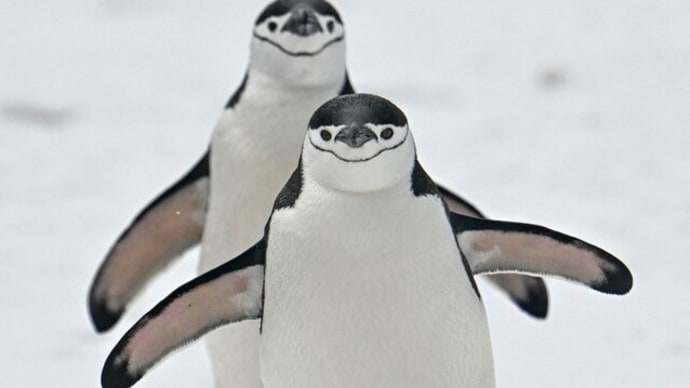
(250, 164)
(362, 277)
(371, 293)
(251, 160)
(297, 61)
(255, 148)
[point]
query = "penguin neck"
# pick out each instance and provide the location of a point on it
(375, 200)
(275, 87)
(389, 171)
(270, 69)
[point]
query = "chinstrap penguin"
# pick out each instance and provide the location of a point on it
(297, 61)
(362, 277)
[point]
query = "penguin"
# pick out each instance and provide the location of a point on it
(363, 277)
(297, 61)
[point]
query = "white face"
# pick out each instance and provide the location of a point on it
(301, 47)
(375, 139)
(273, 31)
(369, 158)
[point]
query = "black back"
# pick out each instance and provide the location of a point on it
(235, 98)
(291, 191)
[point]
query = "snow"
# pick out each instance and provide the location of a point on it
(573, 115)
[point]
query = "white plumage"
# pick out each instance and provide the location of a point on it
(391, 306)
(365, 282)
(255, 147)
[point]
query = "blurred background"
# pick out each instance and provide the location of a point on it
(574, 115)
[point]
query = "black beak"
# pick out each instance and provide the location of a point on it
(303, 21)
(355, 136)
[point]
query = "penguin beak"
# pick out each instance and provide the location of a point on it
(303, 21)
(355, 136)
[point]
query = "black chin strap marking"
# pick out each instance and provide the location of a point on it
(359, 160)
(300, 53)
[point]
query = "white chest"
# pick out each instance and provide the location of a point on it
(370, 294)
(255, 148)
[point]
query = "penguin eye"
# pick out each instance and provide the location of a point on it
(331, 26)
(387, 133)
(272, 26)
(325, 135)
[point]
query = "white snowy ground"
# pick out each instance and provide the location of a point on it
(571, 114)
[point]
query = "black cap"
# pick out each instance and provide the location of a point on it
(359, 109)
(282, 7)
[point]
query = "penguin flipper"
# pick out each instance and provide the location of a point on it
(166, 228)
(231, 292)
(497, 246)
(528, 292)
(458, 205)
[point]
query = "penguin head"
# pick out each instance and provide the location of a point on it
(299, 41)
(358, 143)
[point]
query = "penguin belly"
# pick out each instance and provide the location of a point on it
(250, 162)
(234, 348)
(362, 294)
(240, 205)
